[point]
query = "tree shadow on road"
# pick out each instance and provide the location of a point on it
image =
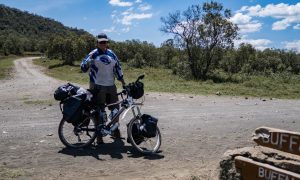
(115, 149)
(60, 65)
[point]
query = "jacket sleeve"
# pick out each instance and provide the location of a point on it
(85, 64)
(118, 70)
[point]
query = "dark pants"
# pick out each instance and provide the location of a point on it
(105, 95)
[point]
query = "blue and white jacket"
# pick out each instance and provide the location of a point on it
(104, 66)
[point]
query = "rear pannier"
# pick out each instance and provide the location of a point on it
(65, 91)
(72, 110)
(72, 100)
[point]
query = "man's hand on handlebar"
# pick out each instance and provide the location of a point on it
(125, 89)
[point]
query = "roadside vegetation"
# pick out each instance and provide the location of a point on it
(9, 173)
(6, 66)
(163, 80)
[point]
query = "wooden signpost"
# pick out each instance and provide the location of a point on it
(286, 141)
(282, 140)
(252, 170)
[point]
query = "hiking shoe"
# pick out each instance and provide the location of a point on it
(116, 134)
(99, 140)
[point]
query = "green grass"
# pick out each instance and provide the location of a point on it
(6, 65)
(6, 173)
(162, 80)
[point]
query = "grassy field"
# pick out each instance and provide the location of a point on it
(162, 80)
(6, 65)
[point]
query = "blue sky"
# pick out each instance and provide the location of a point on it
(263, 23)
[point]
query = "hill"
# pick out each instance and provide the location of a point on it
(20, 27)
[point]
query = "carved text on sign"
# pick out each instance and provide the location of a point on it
(252, 170)
(286, 141)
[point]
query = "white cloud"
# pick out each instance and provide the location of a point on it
(240, 18)
(128, 18)
(281, 25)
(245, 23)
(109, 30)
(128, 11)
(122, 21)
(251, 27)
(260, 44)
(126, 29)
(120, 3)
(293, 45)
(297, 26)
(144, 7)
(275, 10)
(114, 14)
(287, 14)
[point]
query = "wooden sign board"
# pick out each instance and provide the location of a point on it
(252, 170)
(282, 140)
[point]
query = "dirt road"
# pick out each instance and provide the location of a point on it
(196, 131)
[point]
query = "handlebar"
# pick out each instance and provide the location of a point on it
(126, 89)
(140, 77)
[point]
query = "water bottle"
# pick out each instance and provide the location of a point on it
(115, 126)
(113, 113)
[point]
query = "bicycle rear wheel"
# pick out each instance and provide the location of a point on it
(79, 136)
(140, 143)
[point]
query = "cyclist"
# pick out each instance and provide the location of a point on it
(104, 66)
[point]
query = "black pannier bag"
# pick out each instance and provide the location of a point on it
(64, 91)
(136, 90)
(73, 110)
(136, 134)
(150, 126)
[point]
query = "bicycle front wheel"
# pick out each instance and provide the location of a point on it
(141, 143)
(77, 136)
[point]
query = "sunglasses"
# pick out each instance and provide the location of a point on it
(102, 42)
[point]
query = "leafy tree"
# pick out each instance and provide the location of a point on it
(201, 31)
(69, 51)
(167, 53)
(12, 45)
(243, 55)
(54, 49)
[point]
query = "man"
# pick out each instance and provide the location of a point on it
(104, 67)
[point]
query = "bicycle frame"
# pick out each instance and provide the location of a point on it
(130, 105)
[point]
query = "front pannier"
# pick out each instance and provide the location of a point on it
(136, 89)
(150, 126)
(137, 137)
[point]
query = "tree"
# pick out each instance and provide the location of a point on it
(69, 51)
(243, 55)
(202, 31)
(12, 45)
(55, 46)
(168, 51)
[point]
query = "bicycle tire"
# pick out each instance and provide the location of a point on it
(65, 129)
(140, 146)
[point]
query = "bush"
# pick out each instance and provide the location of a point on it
(137, 61)
(182, 69)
